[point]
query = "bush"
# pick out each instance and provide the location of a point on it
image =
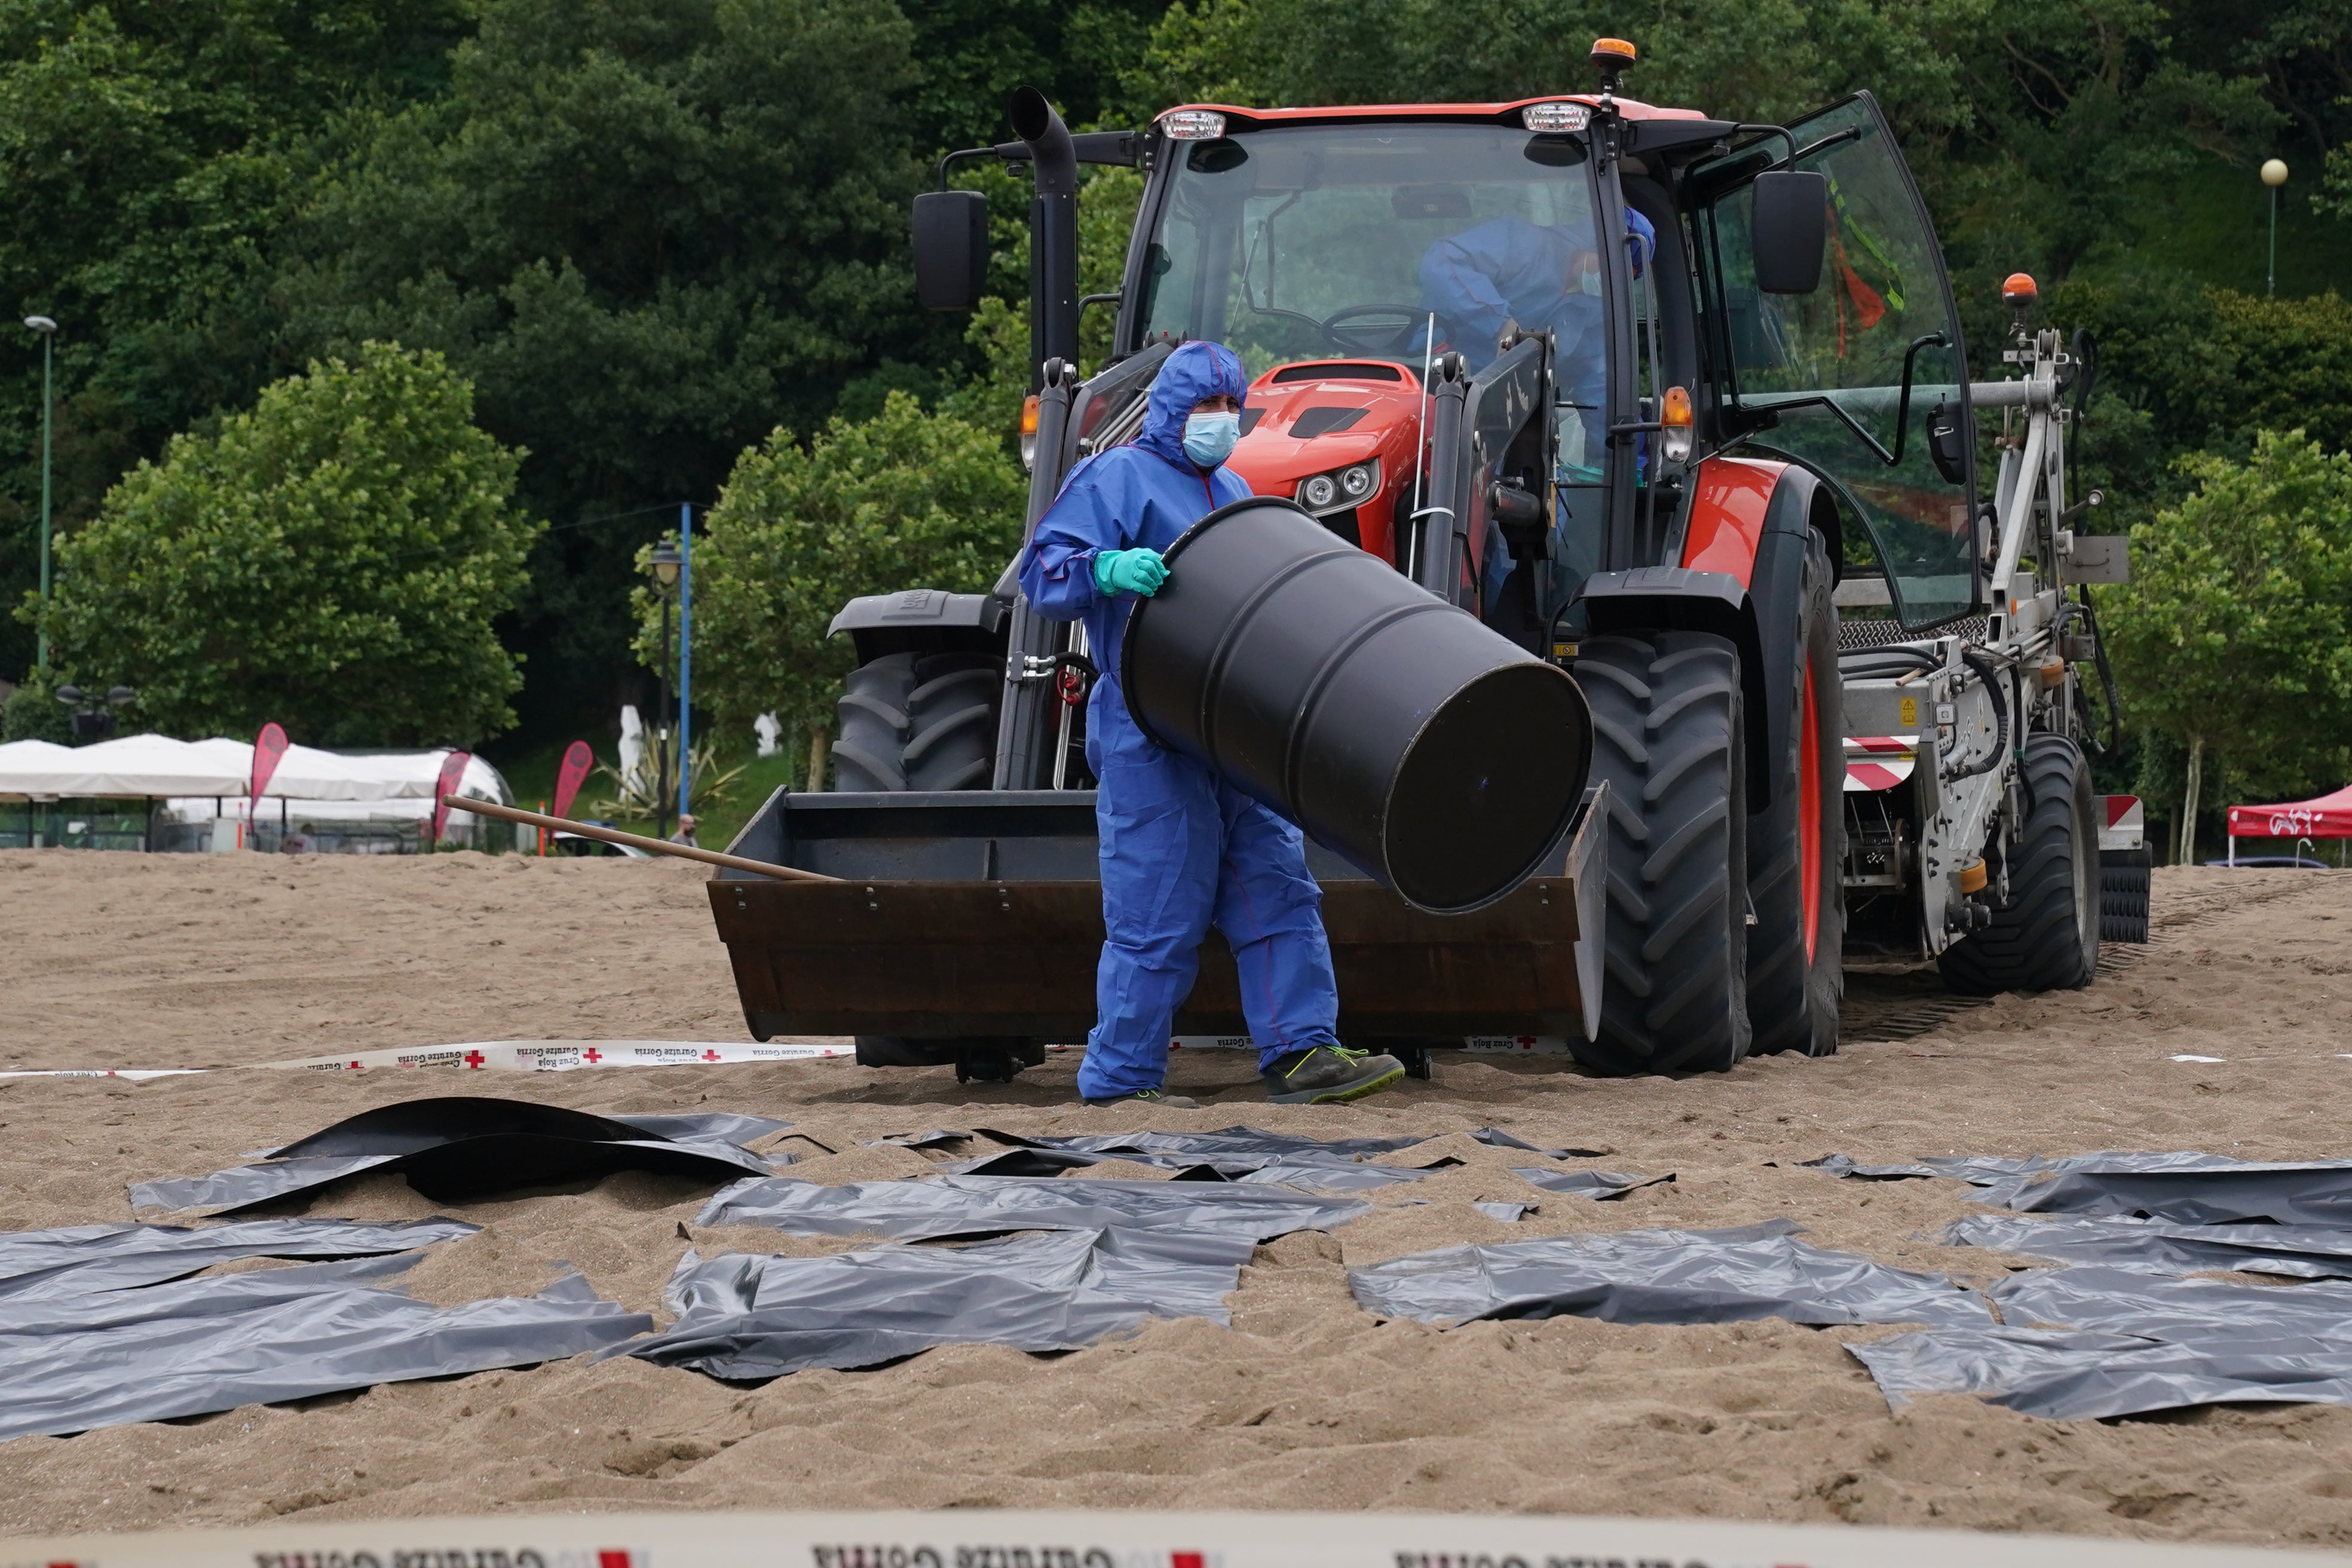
(33, 712)
(2235, 636)
(332, 560)
(906, 500)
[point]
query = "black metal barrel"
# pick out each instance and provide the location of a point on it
(1400, 732)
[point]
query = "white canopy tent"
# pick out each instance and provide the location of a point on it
(312, 791)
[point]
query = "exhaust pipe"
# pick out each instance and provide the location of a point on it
(1053, 232)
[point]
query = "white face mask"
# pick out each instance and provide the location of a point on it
(1588, 280)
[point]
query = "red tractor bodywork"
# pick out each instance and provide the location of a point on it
(1330, 418)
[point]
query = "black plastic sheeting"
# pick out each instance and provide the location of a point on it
(1236, 1154)
(932, 1208)
(2164, 1247)
(2073, 1376)
(1601, 1186)
(77, 1260)
(456, 1148)
(2189, 1187)
(1662, 1277)
(2127, 1342)
(747, 1318)
(71, 1363)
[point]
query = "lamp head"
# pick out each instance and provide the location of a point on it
(2274, 171)
(119, 695)
(45, 327)
(71, 695)
(665, 562)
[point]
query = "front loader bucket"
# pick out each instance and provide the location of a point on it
(974, 915)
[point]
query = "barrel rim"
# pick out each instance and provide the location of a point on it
(1135, 616)
(1534, 865)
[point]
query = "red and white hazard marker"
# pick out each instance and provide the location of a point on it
(1879, 762)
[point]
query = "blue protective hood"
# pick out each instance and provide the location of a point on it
(1193, 372)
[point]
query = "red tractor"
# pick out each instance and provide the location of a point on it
(1632, 384)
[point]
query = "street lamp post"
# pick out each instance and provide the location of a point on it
(685, 660)
(666, 564)
(2274, 175)
(48, 331)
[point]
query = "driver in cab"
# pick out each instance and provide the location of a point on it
(1543, 277)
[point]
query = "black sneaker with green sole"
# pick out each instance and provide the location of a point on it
(1150, 1097)
(1327, 1073)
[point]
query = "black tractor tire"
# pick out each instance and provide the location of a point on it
(912, 722)
(2124, 883)
(951, 722)
(1667, 738)
(869, 753)
(1796, 969)
(2046, 938)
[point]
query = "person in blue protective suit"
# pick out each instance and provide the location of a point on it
(1507, 270)
(1180, 847)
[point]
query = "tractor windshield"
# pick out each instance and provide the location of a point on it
(1321, 241)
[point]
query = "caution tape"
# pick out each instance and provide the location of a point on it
(1483, 1045)
(981, 1538)
(566, 1056)
(500, 1055)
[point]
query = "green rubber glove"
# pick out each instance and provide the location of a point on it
(1137, 571)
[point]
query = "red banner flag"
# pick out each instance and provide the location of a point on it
(571, 774)
(452, 774)
(268, 750)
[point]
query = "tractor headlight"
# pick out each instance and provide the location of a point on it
(1347, 487)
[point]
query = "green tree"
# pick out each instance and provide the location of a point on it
(2235, 636)
(904, 500)
(332, 560)
(148, 151)
(649, 231)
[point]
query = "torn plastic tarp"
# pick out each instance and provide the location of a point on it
(1236, 1154)
(76, 1261)
(2127, 1342)
(218, 1342)
(1306, 1175)
(2164, 1247)
(1983, 1170)
(1601, 1186)
(2074, 1375)
(2188, 1187)
(758, 1317)
(929, 1207)
(2121, 1301)
(1660, 1277)
(1240, 1144)
(454, 1148)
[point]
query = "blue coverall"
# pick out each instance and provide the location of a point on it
(1508, 269)
(1179, 847)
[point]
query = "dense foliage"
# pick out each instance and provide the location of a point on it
(2235, 637)
(651, 234)
(332, 560)
(863, 508)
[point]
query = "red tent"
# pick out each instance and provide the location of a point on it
(2329, 817)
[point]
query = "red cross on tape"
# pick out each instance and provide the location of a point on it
(711, 1056)
(473, 1059)
(592, 1055)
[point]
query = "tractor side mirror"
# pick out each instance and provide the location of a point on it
(1790, 230)
(951, 249)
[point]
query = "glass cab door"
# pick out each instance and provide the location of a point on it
(1856, 379)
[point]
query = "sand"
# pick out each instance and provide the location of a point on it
(122, 961)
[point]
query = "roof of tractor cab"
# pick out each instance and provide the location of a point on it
(1631, 108)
